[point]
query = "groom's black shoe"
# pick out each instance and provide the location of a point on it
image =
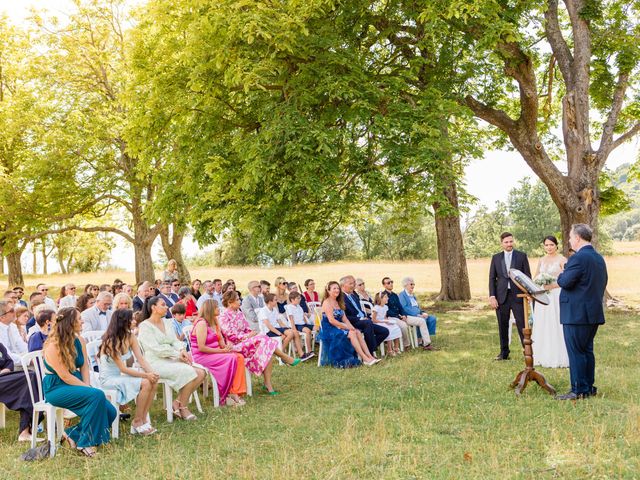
(594, 392)
(501, 357)
(571, 396)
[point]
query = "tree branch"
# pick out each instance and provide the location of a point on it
(556, 40)
(625, 137)
(616, 105)
(117, 231)
(497, 118)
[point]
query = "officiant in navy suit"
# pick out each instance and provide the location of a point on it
(503, 294)
(583, 284)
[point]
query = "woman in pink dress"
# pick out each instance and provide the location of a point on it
(257, 349)
(209, 349)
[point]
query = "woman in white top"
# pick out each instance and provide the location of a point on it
(379, 316)
(549, 349)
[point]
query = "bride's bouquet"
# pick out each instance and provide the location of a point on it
(544, 279)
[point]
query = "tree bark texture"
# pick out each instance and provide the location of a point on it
(14, 263)
(454, 277)
(172, 246)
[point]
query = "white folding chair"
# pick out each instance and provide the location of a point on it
(54, 415)
(93, 348)
(3, 409)
(214, 384)
(92, 335)
(167, 398)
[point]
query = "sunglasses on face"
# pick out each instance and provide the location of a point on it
(389, 282)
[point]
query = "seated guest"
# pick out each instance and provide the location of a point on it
(411, 309)
(14, 393)
(127, 290)
(20, 292)
(141, 295)
(97, 318)
(256, 348)
(251, 304)
(105, 287)
(179, 322)
(171, 273)
(35, 299)
(264, 287)
(342, 343)
(68, 296)
(67, 384)
(9, 335)
(168, 356)
(293, 287)
(298, 321)
(363, 295)
(170, 299)
(211, 351)
(44, 290)
(310, 294)
(45, 321)
(22, 315)
(374, 335)
(85, 302)
(90, 289)
(208, 293)
(273, 324)
(122, 301)
(36, 328)
(189, 302)
(116, 288)
(118, 346)
(217, 291)
(195, 289)
(156, 287)
(379, 316)
(396, 311)
(282, 297)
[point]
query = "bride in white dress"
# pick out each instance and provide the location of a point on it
(549, 349)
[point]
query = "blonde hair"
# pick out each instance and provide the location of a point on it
(120, 296)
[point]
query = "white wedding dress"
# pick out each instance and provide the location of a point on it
(549, 349)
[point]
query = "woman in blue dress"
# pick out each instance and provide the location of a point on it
(66, 385)
(342, 343)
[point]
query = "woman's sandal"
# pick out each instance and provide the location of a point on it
(190, 416)
(67, 439)
(87, 452)
(144, 429)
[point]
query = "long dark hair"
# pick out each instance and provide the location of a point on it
(551, 238)
(340, 298)
(115, 339)
(148, 303)
(63, 336)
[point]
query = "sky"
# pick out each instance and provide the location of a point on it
(489, 179)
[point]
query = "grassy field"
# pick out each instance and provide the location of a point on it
(425, 415)
(624, 270)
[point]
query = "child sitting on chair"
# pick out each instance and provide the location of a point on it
(379, 316)
(298, 321)
(179, 311)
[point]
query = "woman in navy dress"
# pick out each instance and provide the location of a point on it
(14, 393)
(66, 385)
(342, 343)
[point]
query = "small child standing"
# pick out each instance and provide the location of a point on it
(379, 316)
(295, 315)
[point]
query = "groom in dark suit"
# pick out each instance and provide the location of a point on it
(503, 294)
(583, 283)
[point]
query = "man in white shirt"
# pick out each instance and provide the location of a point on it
(251, 303)
(97, 318)
(207, 295)
(70, 299)
(9, 335)
(44, 290)
(217, 291)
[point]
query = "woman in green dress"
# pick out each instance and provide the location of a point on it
(66, 384)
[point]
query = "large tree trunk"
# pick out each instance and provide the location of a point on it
(144, 261)
(1, 264)
(172, 245)
(454, 277)
(43, 246)
(14, 263)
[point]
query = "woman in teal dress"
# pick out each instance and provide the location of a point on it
(66, 384)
